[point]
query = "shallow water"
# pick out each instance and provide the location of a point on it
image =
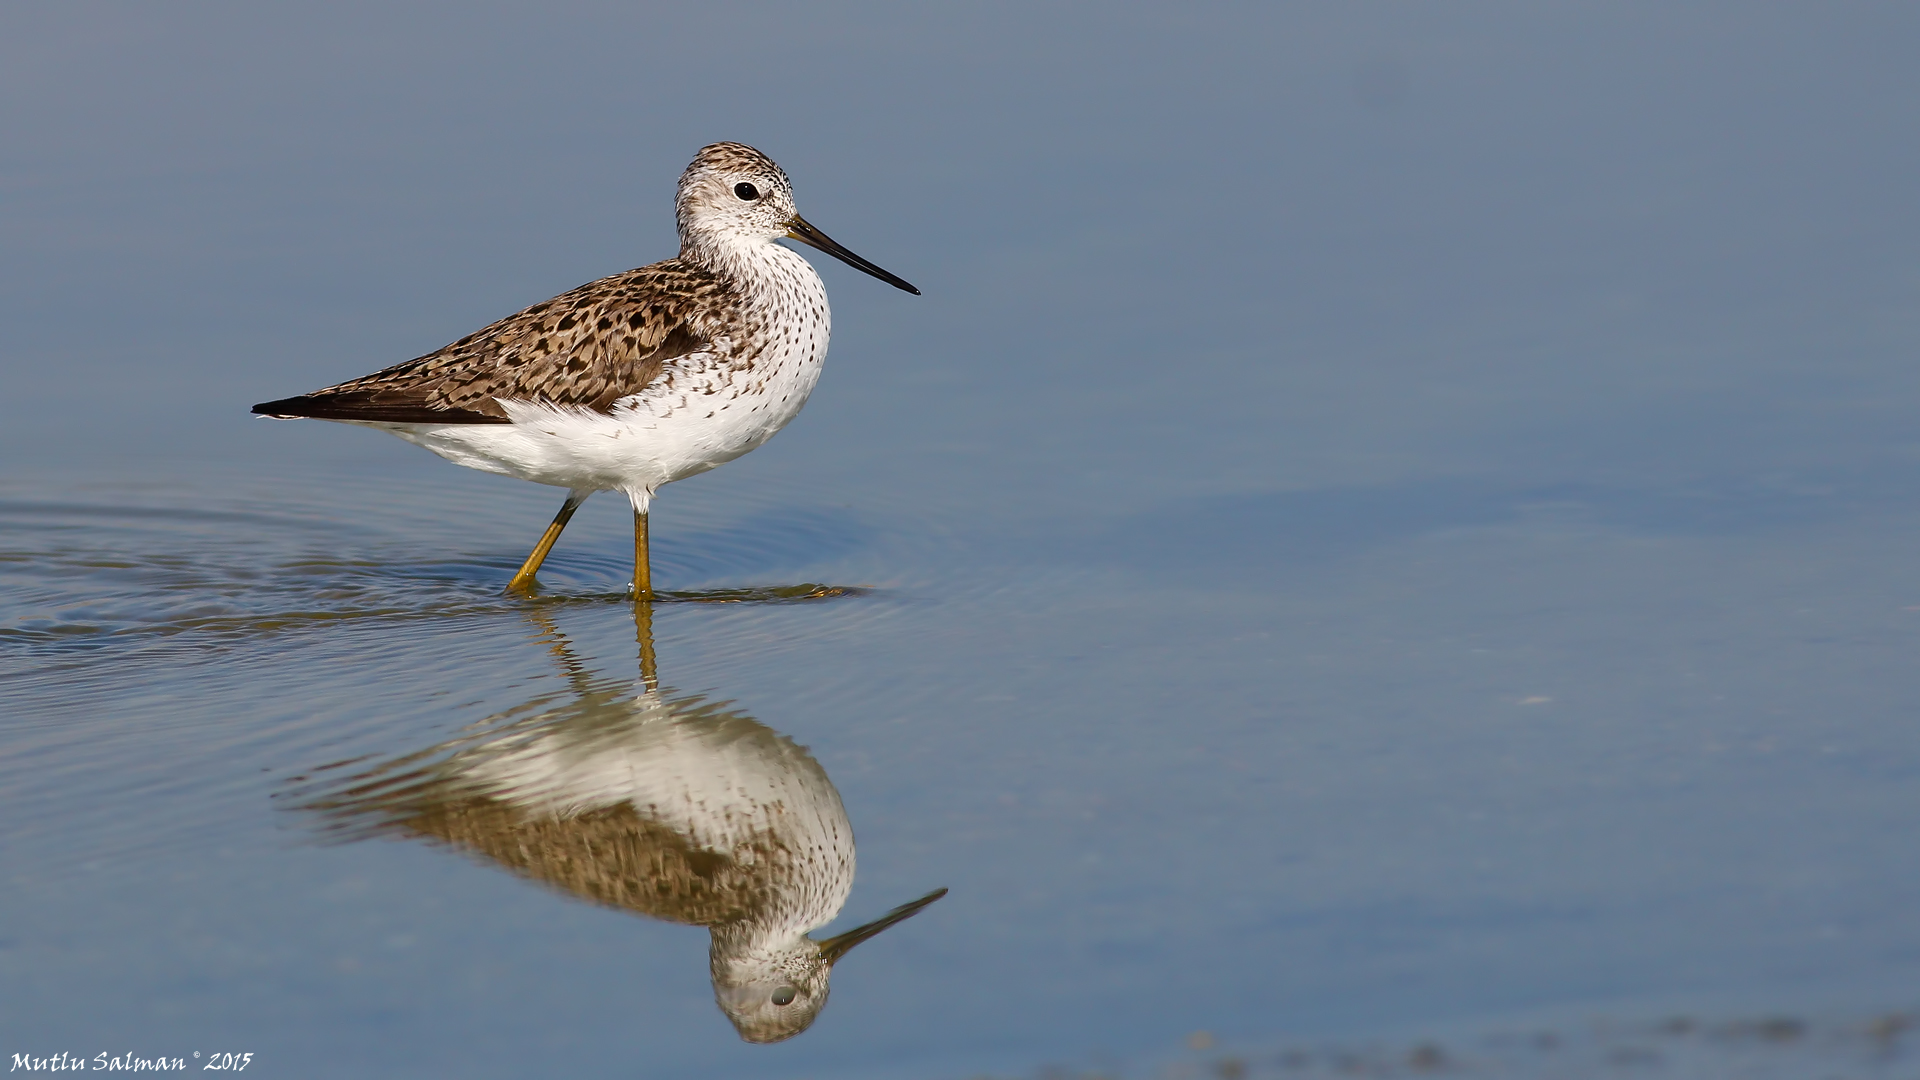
(1457, 754)
(1473, 594)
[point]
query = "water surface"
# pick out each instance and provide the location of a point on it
(1441, 568)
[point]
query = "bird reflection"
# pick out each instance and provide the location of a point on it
(637, 798)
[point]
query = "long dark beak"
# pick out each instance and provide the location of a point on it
(798, 229)
(836, 947)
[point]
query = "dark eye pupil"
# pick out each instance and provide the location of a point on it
(749, 192)
(784, 995)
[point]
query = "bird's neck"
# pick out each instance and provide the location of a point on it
(759, 270)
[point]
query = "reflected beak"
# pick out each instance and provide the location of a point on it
(798, 229)
(836, 947)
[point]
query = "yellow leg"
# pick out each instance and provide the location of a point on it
(523, 580)
(642, 572)
(643, 629)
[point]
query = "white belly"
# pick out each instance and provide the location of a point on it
(702, 417)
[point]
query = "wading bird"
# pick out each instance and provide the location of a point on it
(635, 380)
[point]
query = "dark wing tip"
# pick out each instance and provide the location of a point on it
(369, 408)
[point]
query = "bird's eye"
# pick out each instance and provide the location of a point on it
(750, 193)
(784, 995)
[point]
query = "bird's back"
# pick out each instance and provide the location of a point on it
(587, 348)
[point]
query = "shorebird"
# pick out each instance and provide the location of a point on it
(635, 380)
(660, 804)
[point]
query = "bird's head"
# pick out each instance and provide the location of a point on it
(774, 994)
(733, 195)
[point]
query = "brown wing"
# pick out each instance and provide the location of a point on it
(590, 347)
(613, 856)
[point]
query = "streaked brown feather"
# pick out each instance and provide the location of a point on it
(588, 348)
(615, 857)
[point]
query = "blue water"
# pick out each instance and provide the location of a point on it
(1384, 521)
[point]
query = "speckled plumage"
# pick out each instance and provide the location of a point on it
(635, 380)
(665, 806)
(587, 348)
